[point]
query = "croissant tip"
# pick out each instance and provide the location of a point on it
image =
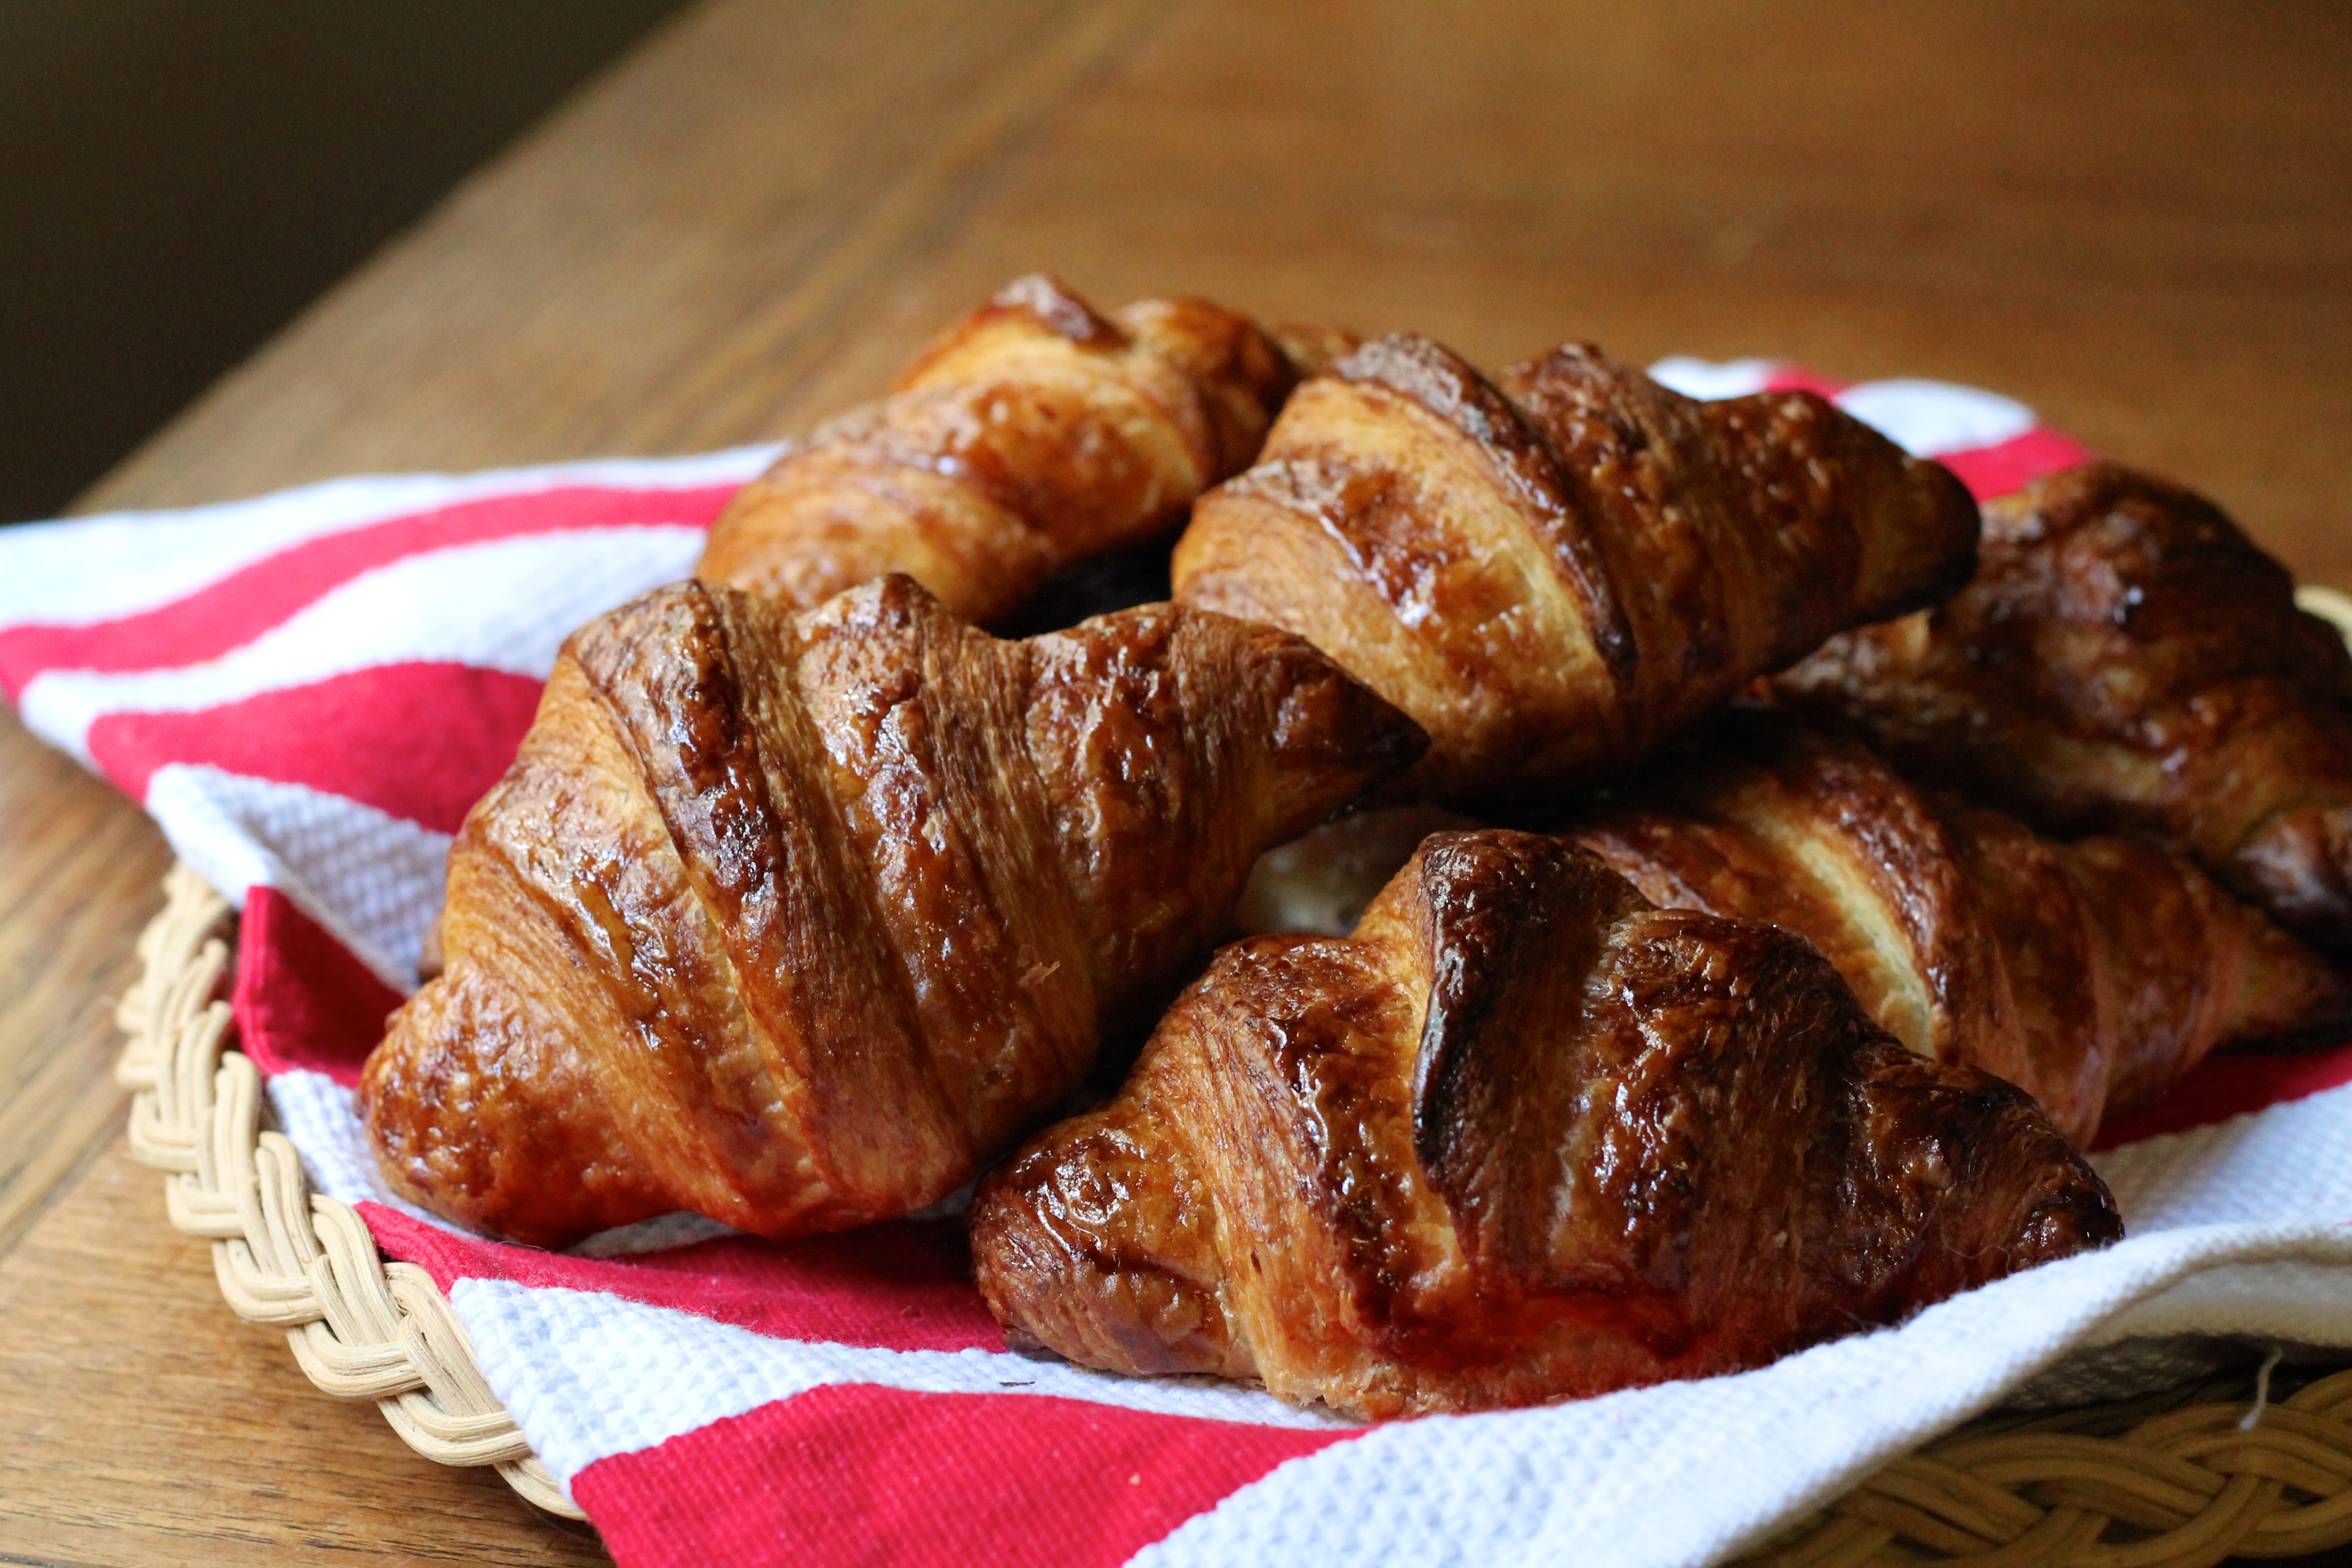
(1330, 720)
(1056, 305)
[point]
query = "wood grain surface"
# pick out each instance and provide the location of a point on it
(76, 859)
(2137, 217)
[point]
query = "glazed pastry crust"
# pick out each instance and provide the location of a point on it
(792, 920)
(1521, 1137)
(1554, 571)
(2126, 659)
(1032, 435)
(2093, 974)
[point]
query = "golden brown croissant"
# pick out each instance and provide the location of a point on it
(1034, 434)
(793, 919)
(1521, 1137)
(2093, 974)
(2126, 657)
(1554, 572)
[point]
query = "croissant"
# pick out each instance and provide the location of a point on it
(1521, 1137)
(792, 920)
(1553, 574)
(2126, 657)
(1032, 435)
(2093, 976)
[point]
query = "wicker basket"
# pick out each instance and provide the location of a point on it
(2175, 1482)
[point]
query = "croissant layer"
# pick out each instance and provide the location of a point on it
(1520, 1137)
(1554, 571)
(792, 920)
(2091, 975)
(1034, 434)
(2126, 657)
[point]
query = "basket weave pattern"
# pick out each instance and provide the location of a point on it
(285, 1255)
(2179, 1481)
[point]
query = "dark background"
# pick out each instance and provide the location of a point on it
(178, 178)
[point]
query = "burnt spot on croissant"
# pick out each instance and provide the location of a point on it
(1502, 960)
(1520, 1137)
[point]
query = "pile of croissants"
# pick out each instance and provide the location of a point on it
(1756, 873)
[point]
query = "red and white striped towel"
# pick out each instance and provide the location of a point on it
(309, 689)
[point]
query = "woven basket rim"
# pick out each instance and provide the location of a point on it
(360, 1327)
(2178, 1480)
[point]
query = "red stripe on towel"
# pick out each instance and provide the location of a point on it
(903, 1286)
(2010, 465)
(301, 1000)
(942, 1481)
(1788, 378)
(238, 608)
(2226, 1086)
(420, 741)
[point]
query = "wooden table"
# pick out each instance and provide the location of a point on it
(2137, 216)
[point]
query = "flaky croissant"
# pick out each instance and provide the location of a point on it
(1031, 434)
(2126, 657)
(1521, 1137)
(1554, 571)
(793, 919)
(2091, 975)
